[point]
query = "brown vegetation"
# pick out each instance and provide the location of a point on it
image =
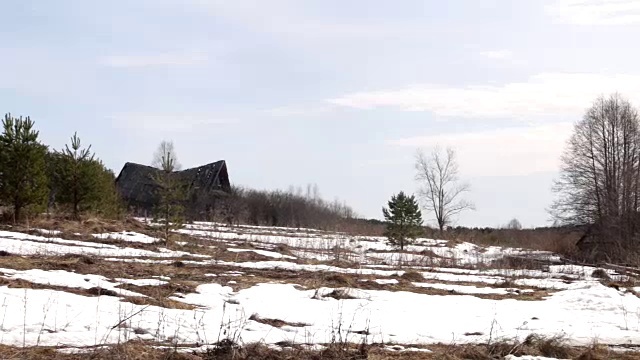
(413, 276)
(275, 322)
(229, 350)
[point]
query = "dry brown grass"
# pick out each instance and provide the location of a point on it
(275, 322)
(517, 263)
(413, 276)
(85, 227)
(551, 347)
(338, 279)
(160, 302)
(228, 350)
(556, 240)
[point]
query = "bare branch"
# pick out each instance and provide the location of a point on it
(165, 157)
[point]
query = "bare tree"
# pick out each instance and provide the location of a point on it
(514, 224)
(233, 206)
(165, 157)
(440, 187)
(600, 170)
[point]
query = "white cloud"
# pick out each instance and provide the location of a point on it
(166, 122)
(154, 60)
(501, 152)
(497, 54)
(542, 95)
(595, 12)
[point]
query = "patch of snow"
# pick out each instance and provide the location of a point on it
(527, 357)
(49, 232)
(386, 281)
(66, 279)
(128, 237)
(400, 348)
(25, 244)
(583, 313)
(464, 289)
(271, 254)
(142, 282)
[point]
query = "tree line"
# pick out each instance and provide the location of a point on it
(290, 208)
(35, 178)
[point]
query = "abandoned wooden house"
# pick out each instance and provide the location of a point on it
(138, 189)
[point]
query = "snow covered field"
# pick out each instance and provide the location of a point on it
(276, 285)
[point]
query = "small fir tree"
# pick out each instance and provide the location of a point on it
(81, 183)
(109, 204)
(23, 178)
(404, 220)
(171, 190)
(77, 178)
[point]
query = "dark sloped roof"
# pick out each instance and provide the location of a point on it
(136, 186)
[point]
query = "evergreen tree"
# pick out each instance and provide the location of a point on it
(171, 191)
(80, 182)
(77, 178)
(404, 220)
(109, 203)
(23, 178)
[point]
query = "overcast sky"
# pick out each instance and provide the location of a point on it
(337, 93)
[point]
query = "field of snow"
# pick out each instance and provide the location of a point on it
(218, 280)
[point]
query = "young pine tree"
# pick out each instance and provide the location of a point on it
(109, 204)
(404, 220)
(81, 183)
(170, 189)
(77, 178)
(23, 178)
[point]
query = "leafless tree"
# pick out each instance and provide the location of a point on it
(165, 157)
(233, 206)
(600, 170)
(514, 224)
(440, 187)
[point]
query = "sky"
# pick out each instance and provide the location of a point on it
(335, 93)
